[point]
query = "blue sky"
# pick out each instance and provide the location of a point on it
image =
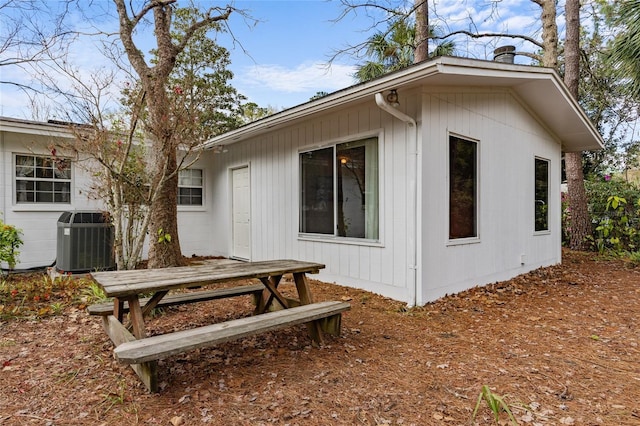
(283, 58)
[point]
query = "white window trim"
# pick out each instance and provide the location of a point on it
(548, 230)
(468, 240)
(190, 207)
(35, 206)
(306, 236)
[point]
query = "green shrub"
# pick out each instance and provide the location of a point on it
(10, 241)
(614, 206)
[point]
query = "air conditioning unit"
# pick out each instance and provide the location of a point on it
(84, 242)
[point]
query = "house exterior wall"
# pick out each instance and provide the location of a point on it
(38, 222)
(509, 140)
(273, 159)
(194, 222)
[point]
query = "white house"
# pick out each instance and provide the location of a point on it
(427, 181)
(35, 190)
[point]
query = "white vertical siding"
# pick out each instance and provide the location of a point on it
(39, 221)
(194, 227)
(509, 139)
(274, 160)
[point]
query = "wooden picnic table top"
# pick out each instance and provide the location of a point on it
(139, 281)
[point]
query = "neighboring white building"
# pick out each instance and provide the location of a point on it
(455, 185)
(36, 187)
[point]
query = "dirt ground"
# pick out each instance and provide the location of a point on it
(559, 344)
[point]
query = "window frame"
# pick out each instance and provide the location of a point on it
(41, 205)
(201, 187)
(547, 161)
(334, 237)
(452, 241)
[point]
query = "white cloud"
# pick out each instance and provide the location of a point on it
(521, 17)
(306, 77)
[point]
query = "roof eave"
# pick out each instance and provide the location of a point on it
(578, 130)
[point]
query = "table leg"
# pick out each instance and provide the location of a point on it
(271, 292)
(118, 308)
(136, 317)
(304, 292)
(153, 302)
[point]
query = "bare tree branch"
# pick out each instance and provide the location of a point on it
(481, 35)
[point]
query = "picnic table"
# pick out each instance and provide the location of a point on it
(129, 288)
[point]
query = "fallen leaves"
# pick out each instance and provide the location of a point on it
(560, 346)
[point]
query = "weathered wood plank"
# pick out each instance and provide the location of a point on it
(136, 318)
(330, 325)
(304, 292)
(150, 304)
(147, 371)
(165, 345)
(183, 298)
(120, 283)
(271, 285)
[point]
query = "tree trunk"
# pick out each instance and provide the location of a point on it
(164, 244)
(549, 33)
(580, 221)
(421, 52)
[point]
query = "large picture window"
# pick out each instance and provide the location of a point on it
(41, 179)
(190, 187)
(339, 190)
(541, 195)
(463, 184)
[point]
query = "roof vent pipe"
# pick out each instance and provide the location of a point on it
(504, 54)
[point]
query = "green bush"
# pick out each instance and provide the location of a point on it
(10, 241)
(614, 206)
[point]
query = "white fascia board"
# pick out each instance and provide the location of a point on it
(34, 128)
(341, 97)
(549, 97)
(545, 93)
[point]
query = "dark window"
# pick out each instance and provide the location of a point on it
(463, 194)
(42, 179)
(339, 190)
(542, 195)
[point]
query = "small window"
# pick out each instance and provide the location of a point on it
(190, 187)
(541, 195)
(463, 194)
(41, 179)
(339, 190)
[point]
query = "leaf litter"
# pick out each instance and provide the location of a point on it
(559, 345)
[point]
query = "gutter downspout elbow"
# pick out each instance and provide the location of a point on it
(384, 105)
(413, 173)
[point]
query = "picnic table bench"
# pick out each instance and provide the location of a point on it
(143, 352)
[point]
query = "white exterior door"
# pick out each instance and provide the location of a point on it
(241, 213)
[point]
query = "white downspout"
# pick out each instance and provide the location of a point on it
(412, 171)
(3, 177)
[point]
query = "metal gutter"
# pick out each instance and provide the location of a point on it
(440, 71)
(349, 95)
(3, 177)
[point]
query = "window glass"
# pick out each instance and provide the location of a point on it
(463, 176)
(339, 190)
(190, 188)
(541, 195)
(316, 198)
(40, 179)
